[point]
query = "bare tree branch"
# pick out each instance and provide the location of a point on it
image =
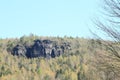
(111, 27)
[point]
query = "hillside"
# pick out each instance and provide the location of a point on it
(79, 63)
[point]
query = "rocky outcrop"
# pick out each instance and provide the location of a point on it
(19, 50)
(41, 48)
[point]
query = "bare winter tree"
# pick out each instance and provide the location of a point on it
(110, 63)
(112, 12)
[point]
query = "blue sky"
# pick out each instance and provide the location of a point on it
(47, 17)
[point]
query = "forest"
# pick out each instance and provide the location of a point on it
(88, 59)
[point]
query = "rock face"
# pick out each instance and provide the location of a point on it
(41, 48)
(19, 50)
(37, 49)
(56, 51)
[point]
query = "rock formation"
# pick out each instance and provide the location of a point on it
(41, 48)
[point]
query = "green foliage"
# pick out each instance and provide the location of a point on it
(4, 71)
